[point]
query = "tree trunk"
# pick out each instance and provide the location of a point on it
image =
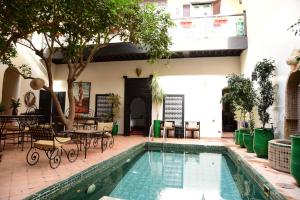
(71, 105)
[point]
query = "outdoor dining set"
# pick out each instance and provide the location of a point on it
(42, 137)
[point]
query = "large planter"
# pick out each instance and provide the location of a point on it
(156, 128)
(279, 154)
(115, 129)
(236, 137)
(295, 158)
(241, 138)
(248, 141)
(260, 141)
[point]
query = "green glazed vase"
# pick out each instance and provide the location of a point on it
(248, 141)
(295, 158)
(236, 137)
(115, 129)
(260, 141)
(241, 138)
(156, 128)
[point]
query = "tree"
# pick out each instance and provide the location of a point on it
(241, 96)
(265, 70)
(18, 20)
(80, 27)
(295, 27)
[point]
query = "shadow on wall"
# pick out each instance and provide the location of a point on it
(10, 88)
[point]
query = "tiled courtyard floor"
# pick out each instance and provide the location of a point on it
(19, 180)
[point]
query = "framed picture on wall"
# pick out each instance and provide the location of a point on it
(81, 91)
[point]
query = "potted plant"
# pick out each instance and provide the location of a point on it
(15, 104)
(114, 99)
(248, 136)
(242, 97)
(265, 70)
(157, 99)
(2, 108)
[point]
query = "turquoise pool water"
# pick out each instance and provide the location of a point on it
(154, 175)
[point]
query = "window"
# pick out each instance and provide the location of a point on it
(186, 10)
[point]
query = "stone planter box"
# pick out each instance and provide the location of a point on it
(279, 151)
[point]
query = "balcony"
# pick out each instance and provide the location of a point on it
(226, 32)
(212, 36)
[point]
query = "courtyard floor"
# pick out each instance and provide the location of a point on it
(19, 180)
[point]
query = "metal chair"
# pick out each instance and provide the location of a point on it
(46, 140)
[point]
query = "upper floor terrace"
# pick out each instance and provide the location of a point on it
(203, 28)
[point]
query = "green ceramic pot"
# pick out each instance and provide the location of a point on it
(236, 137)
(241, 138)
(295, 158)
(115, 129)
(248, 141)
(260, 141)
(156, 128)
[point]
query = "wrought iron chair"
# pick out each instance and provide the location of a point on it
(11, 130)
(106, 135)
(46, 140)
(192, 126)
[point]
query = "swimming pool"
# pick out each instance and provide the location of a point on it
(152, 175)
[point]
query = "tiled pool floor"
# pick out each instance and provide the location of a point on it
(19, 180)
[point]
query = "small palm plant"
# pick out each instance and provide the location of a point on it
(157, 94)
(15, 104)
(157, 99)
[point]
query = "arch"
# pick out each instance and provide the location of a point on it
(137, 116)
(229, 124)
(292, 105)
(10, 88)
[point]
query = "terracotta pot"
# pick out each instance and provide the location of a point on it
(14, 111)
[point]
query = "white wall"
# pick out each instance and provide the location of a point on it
(180, 76)
(267, 23)
(28, 57)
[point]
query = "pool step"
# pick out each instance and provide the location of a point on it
(109, 198)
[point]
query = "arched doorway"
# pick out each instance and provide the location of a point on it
(10, 88)
(292, 105)
(137, 116)
(229, 124)
(137, 88)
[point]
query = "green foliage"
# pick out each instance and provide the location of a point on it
(15, 103)
(18, 20)
(295, 27)
(157, 91)
(114, 99)
(78, 29)
(265, 70)
(241, 93)
(241, 96)
(2, 107)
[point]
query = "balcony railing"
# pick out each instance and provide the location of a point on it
(210, 27)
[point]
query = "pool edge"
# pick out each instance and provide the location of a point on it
(131, 152)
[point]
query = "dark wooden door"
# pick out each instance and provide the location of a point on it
(134, 88)
(229, 124)
(46, 106)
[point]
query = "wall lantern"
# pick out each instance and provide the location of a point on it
(254, 76)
